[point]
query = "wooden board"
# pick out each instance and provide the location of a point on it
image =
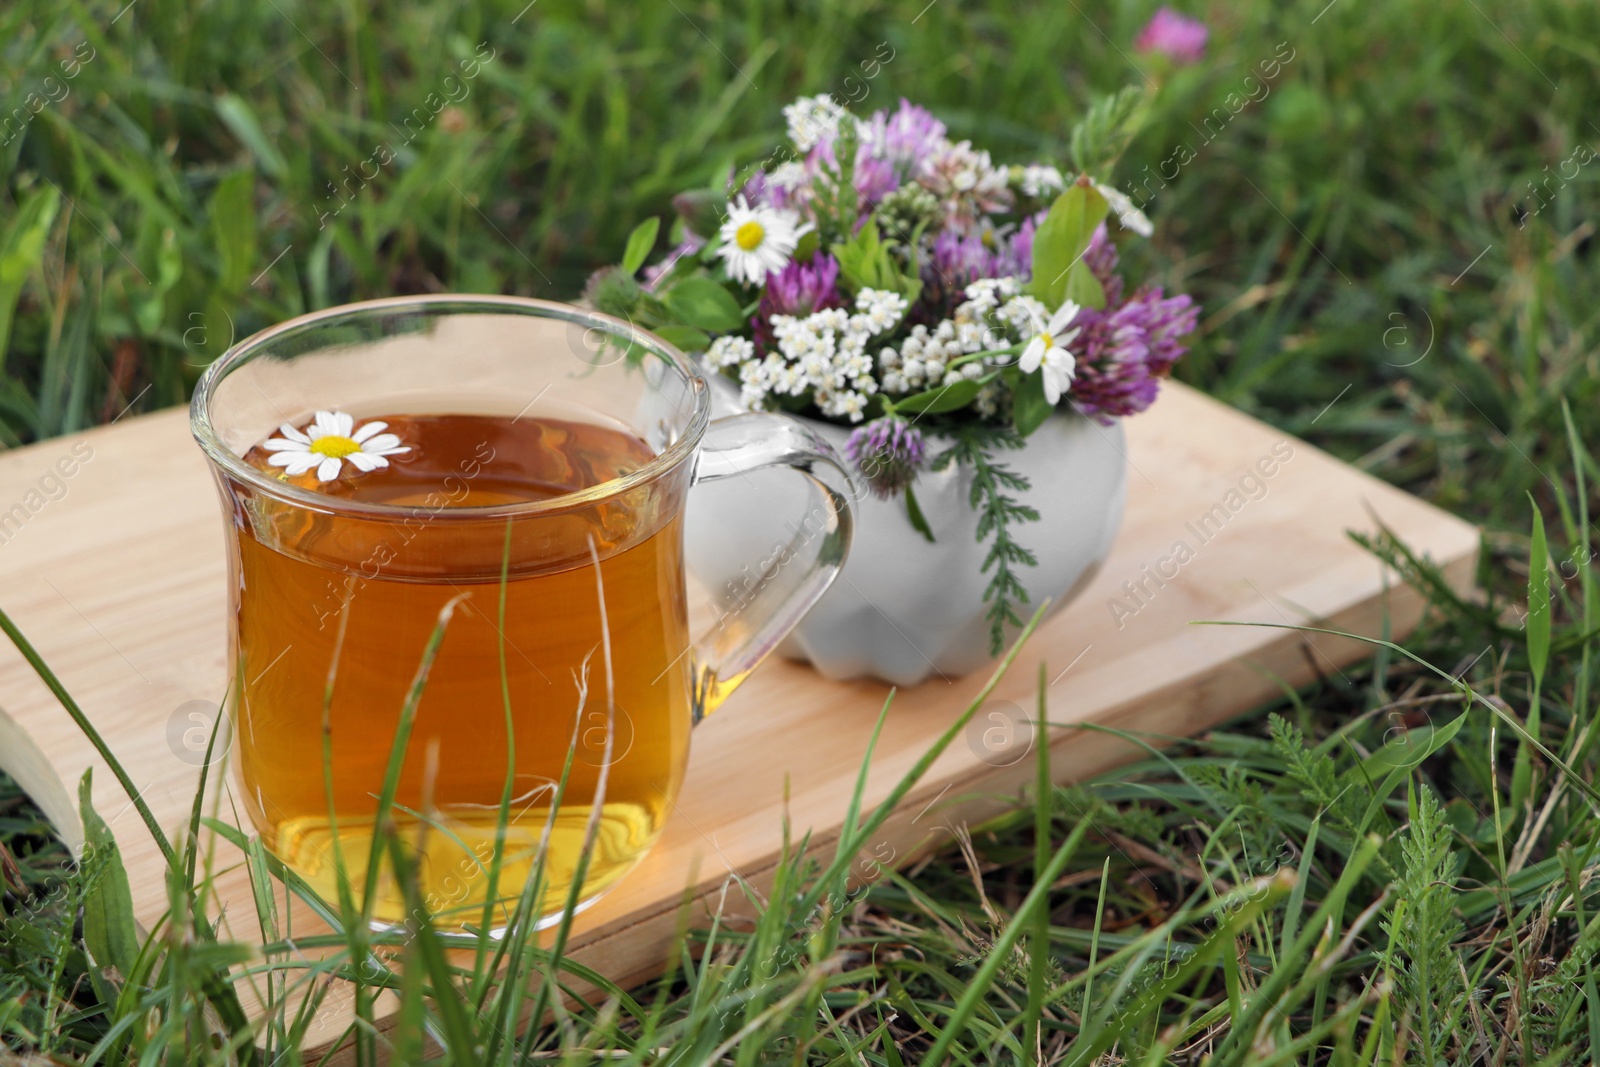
(116, 573)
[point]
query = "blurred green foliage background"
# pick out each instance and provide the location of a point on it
(1383, 225)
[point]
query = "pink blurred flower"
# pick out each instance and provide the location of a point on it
(1176, 36)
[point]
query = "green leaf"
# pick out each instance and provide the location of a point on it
(865, 263)
(861, 259)
(1106, 128)
(1538, 600)
(640, 242)
(703, 303)
(684, 338)
(1084, 288)
(21, 247)
(1061, 239)
(150, 301)
(242, 122)
(109, 930)
(233, 228)
(1402, 759)
(919, 521)
(701, 210)
(809, 242)
(1404, 750)
(451, 1008)
(941, 398)
(1029, 408)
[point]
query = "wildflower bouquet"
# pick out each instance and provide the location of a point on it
(885, 277)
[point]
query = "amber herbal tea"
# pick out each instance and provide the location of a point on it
(333, 608)
(525, 465)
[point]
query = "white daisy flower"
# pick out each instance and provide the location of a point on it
(1130, 217)
(330, 440)
(1047, 352)
(757, 241)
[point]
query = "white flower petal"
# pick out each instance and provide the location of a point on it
(380, 443)
(1052, 388)
(284, 459)
(1056, 374)
(280, 444)
(1063, 317)
(368, 430)
(387, 451)
(298, 463)
(1031, 356)
(363, 462)
(334, 422)
(293, 434)
(328, 469)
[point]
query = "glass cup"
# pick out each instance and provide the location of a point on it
(536, 461)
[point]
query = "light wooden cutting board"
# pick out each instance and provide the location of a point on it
(116, 573)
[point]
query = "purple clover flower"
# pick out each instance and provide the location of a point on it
(1178, 37)
(761, 191)
(801, 288)
(1102, 258)
(758, 191)
(1166, 322)
(888, 452)
(1124, 353)
(873, 178)
(958, 259)
(892, 150)
(1021, 252)
(905, 138)
(1112, 378)
(797, 289)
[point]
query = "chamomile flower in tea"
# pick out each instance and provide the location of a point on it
(328, 441)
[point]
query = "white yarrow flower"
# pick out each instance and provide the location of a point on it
(729, 352)
(330, 440)
(1047, 352)
(882, 308)
(788, 176)
(1041, 181)
(757, 241)
(812, 119)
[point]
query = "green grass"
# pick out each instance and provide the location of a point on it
(1354, 238)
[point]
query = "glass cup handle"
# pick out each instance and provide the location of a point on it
(800, 572)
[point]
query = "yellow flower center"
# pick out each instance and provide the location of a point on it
(1049, 342)
(749, 236)
(334, 446)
